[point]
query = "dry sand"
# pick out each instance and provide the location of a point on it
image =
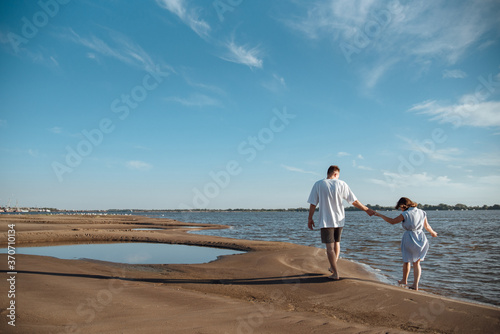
(273, 288)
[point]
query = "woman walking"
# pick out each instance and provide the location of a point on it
(414, 244)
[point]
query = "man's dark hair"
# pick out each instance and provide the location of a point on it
(333, 169)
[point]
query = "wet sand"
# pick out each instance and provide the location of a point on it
(273, 288)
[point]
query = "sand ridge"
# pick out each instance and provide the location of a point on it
(273, 288)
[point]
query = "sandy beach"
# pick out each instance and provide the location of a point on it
(272, 288)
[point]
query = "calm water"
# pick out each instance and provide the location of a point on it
(462, 262)
(130, 252)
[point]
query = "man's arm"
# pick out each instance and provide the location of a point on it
(310, 221)
(359, 205)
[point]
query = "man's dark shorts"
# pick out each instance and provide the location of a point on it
(330, 235)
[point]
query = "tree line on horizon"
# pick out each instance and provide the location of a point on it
(441, 206)
(376, 207)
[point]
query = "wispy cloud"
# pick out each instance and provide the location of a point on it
(138, 165)
(298, 170)
(117, 46)
(275, 84)
(190, 16)
(422, 180)
(343, 154)
(454, 74)
(485, 159)
(250, 56)
(243, 54)
(480, 114)
(195, 100)
(430, 150)
(474, 109)
(414, 32)
(200, 85)
(373, 74)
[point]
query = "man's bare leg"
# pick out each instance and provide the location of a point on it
(332, 258)
(406, 272)
(337, 250)
(417, 270)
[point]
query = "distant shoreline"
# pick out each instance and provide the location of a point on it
(274, 287)
(428, 207)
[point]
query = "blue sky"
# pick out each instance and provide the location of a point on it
(244, 104)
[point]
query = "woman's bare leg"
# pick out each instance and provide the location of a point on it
(406, 272)
(417, 270)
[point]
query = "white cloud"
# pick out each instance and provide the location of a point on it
(399, 181)
(195, 100)
(454, 74)
(471, 109)
(189, 16)
(298, 170)
(468, 111)
(343, 154)
(243, 54)
(387, 33)
(138, 165)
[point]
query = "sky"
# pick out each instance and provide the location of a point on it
(191, 104)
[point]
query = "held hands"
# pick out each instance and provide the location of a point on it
(370, 212)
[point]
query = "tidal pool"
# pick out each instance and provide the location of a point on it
(130, 252)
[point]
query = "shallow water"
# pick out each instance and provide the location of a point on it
(462, 262)
(131, 253)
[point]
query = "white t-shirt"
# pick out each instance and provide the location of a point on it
(328, 194)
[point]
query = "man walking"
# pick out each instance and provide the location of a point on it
(328, 194)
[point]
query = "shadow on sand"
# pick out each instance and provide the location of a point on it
(308, 278)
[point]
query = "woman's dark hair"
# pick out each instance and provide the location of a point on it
(405, 203)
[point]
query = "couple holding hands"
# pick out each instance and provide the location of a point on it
(328, 194)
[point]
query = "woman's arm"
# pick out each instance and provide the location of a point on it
(429, 228)
(392, 221)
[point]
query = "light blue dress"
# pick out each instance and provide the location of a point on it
(414, 244)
